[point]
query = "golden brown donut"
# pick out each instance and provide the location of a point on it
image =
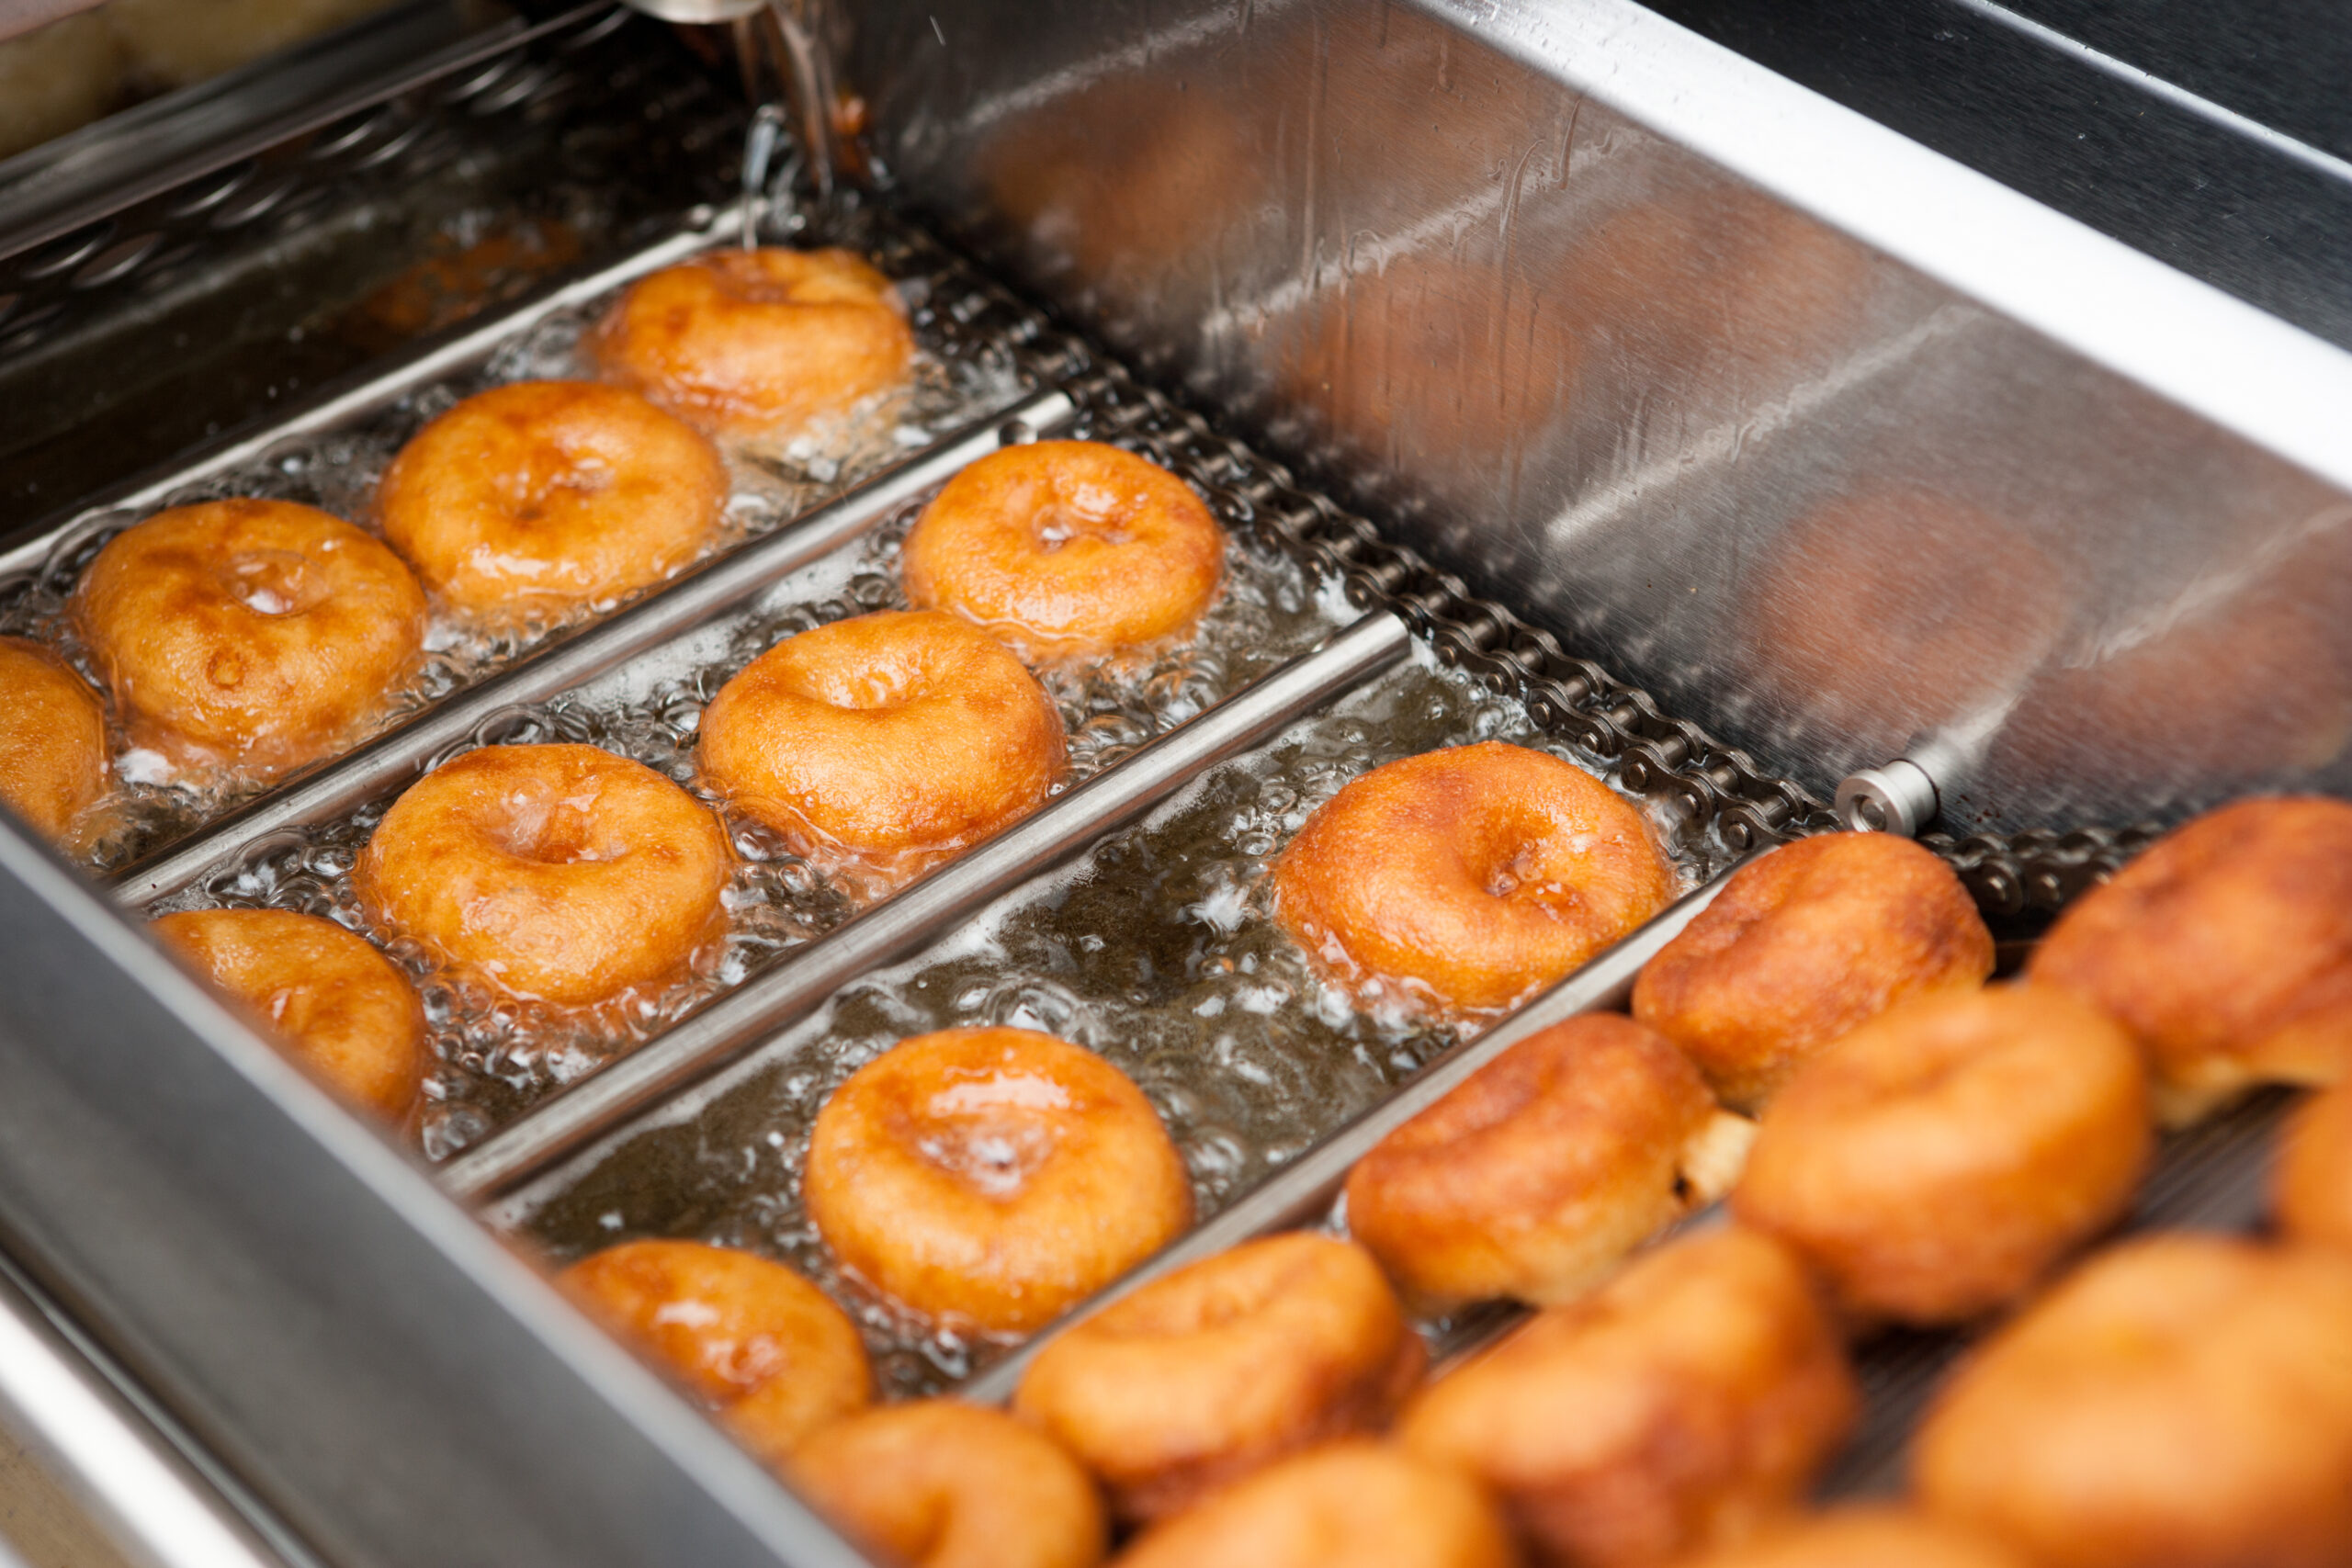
(898, 738)
(939, 1484)
(1934, 1164)
(543, 496)
(563, 872)
(1542, 1171)
(2310, 1185)
(1224, 1366)
(52, 740)
(1866, 1536)
(1473, 875)
(2182, 1401)
(1678, 1408)
(255, 633)
(1067, 547)
(753, 343)
(749, 1338)
(339, 1006)
(1345, 1504)
(2225, 949)
(1804, 944)
(994, 1176)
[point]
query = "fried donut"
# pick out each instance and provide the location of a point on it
(1067, 547)
(254, 633)
(939, 1484)
(1536, 1176)
(2181, 1401)
(1677, 1409)
(750, 342)
(1804, 944)
(1347, 1505)
(900, 738)
(563, 872)
(1475, 876)
(2311, 1184)
(543, 496)
(1866, 1536)
(749, 1338)
(1935, 1163)
(339, 1006)
(994, 1176)
(2225, 949)
(52, 740)
(1224, 1366)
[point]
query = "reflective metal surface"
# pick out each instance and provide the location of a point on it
(1946, 471)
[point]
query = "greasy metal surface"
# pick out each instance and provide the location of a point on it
(384, 1375)
(1830, 504)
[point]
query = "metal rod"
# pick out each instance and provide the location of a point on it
(674, 611)
(142, 1495)
(404, 374)
(1305, 1191)
(732, 1026)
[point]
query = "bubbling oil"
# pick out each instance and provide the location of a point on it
(955, 380)
(499, 1055)
(1158, 950)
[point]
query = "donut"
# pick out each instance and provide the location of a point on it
(995, 1177)
(1677, 1409)
(258, 633)
(1223, 1366)
(1804, 944)
(939, 1484)
(2311, 1184)
(1536, 1176)
(1936, 1163)
(749, 1339)
(339, 1008)
(898, 738)
(2225, 949)
(2181, 1401)
(1065, 548)
(562, 873)
(752, 343)
(1344, 1505)
(1866, 1536)
(1475, 876)
(52, 740)
(544, 496)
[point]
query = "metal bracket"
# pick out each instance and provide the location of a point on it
(1894, 798)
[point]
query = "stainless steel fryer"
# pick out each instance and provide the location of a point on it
(1579, 336)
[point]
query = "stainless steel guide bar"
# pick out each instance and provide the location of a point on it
(735, 1023)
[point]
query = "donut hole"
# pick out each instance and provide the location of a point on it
(554, 832)
(274, 584)
(994, 1155)
(559, 482)
(1095, 516)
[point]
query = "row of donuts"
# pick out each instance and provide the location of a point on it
(1966, 1140)
(246, 637)
(568, 875)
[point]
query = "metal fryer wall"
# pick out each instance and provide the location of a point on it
(1812, 495)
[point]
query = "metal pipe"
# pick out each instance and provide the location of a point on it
(672, 612)
(733, 1025)
(1305, 1191)
(143, 1497)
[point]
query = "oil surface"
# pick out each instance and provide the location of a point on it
(499, 1055)
(952, 381)
(1157, 950)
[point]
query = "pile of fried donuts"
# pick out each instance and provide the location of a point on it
(1901, 1143)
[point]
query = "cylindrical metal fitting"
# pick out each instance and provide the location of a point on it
(1897, 797)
